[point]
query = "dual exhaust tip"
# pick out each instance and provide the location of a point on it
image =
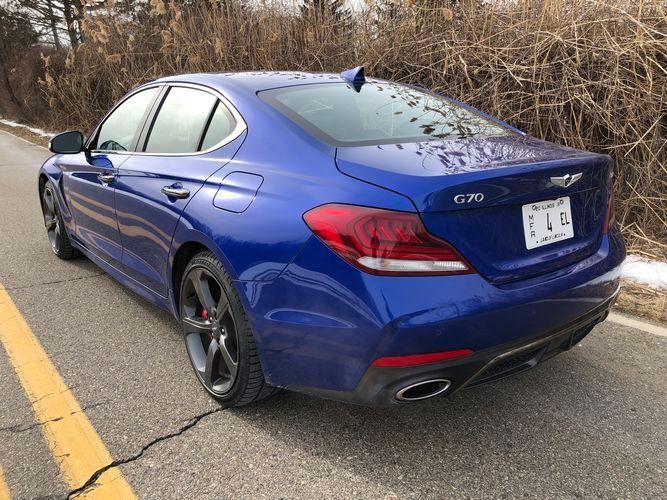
(425, 389)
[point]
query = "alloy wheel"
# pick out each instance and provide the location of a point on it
(51, 219)
(210, 331)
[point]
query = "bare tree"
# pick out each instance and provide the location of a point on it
(52, 21)
(322, 9)
(72, 12)
(54, 17)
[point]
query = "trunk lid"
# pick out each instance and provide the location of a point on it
(472, 193)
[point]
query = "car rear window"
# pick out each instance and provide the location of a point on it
(380, 113)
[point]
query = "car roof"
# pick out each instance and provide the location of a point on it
(254, 81)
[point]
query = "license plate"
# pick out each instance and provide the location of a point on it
(546, 222)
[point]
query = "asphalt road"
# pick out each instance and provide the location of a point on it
(589, 423)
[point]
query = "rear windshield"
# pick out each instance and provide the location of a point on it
(380, 113)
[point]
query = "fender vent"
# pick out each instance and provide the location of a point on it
(61, 188)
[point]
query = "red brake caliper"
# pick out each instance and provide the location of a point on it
(204, 314)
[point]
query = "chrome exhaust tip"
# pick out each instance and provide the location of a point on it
(423, 390)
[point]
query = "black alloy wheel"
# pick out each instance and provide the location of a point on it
(55, 227)
(210, 331)
(217, 334)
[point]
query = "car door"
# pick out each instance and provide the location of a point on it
(88, 177)
(192, 134)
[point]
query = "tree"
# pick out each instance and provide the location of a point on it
(16, 35)
(72, 12)
(55, 18)
(320, 10)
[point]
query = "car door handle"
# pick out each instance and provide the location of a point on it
(106, 178)
(174, 192)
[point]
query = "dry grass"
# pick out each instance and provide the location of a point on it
(640, 300)
(589, 74)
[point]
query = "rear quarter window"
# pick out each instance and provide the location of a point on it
(221, 125)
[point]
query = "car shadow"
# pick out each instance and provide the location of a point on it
(549, 425)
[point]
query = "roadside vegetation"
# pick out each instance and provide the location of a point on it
(587, 73)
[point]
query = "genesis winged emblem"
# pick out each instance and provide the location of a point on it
(566, 180)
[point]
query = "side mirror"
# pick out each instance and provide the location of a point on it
(67, 143)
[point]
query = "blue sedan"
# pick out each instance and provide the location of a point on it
(337, 235)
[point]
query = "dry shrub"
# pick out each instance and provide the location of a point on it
(586, 73)
(642, 300)
(23, 77)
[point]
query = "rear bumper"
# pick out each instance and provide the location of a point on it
(379, 386)
(321, 323)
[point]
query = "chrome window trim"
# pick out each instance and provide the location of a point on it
(240, 127)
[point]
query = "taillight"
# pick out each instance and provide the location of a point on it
(610, 215)
(384, 241)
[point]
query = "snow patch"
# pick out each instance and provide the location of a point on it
(34, 130)
(649, 272)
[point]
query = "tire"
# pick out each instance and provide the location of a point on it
(55, 226)
(217, 334)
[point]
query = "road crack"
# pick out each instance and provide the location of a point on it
(33, 401)
(98, 473)
(18, 428)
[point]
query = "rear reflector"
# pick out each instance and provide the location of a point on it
(384, 242)
(420, 359)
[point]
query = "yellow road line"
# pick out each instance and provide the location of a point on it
(77, 448)
(4, 489)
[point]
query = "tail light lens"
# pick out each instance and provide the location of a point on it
(384, 241)
(610, 216)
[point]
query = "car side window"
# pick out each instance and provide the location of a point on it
(221, 125)
(180, 122)
(120, 128)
